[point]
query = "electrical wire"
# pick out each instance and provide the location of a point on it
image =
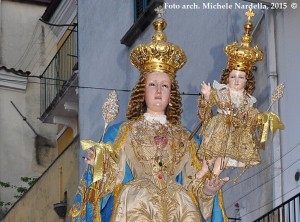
(271, 201)
(52, 42)
(58, 25)
(53, 49)
(29, 44)
(34, 50)
(269, 165)
(35, 41)
(127, 90)
(263, 183)
(197, 94)
(82, 87)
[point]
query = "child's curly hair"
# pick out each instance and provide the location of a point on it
(250, 84)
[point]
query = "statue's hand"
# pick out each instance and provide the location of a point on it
(91, 156)
(205, 90)
(213, 185)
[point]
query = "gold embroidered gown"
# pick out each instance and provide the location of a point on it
(155, 153)
(234, 131)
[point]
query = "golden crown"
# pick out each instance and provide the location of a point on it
(158, 55)
(242, 57)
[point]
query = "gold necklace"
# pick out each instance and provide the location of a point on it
(237, 116)
(146, 135)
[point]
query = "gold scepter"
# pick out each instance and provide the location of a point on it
(277, 94)
(270, 119)
(195, 131)
(110, 110)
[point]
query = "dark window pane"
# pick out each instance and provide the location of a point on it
(139, 7)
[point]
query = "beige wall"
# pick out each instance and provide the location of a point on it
(18, 22)
(28, 44)
(17, 145)
(37, 203)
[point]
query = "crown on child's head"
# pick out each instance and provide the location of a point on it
(242, 57)
(158, 55)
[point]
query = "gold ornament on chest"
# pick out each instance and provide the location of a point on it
(236, 114)
(154, 147)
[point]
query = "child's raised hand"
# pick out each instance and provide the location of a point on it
(205, 90)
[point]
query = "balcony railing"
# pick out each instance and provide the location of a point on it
(59, 71)
(289, 211)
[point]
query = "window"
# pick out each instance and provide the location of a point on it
(143, 14)
(140, 7)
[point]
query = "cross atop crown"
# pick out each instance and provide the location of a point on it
(160, 11)
(250, 14)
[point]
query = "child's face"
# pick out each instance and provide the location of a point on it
(237, 80)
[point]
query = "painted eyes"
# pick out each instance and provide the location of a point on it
(165, 86)
(240, 77)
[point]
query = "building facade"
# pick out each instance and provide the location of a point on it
(18, 23)
(48, 148)
(202, 29)
(109, 30)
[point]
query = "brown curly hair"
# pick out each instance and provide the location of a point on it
(137, 105)
(250, 84)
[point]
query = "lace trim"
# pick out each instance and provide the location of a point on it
(162, 119)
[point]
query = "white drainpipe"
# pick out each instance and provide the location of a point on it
(273, 82)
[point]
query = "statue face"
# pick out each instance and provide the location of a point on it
(237, 80)
(157, 92)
